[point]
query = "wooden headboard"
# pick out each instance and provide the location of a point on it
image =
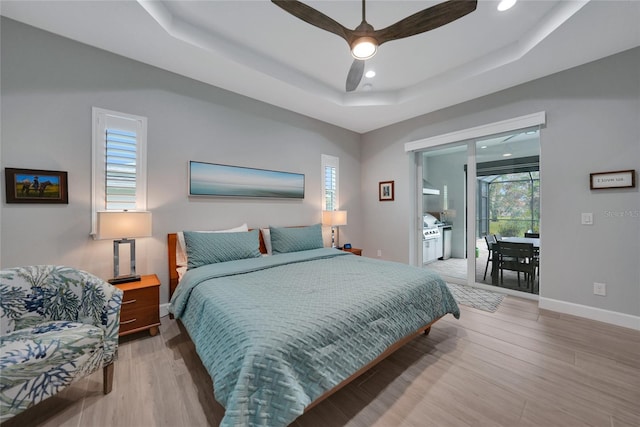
(172, 242)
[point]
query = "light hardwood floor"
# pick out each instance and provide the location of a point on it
(516, 367)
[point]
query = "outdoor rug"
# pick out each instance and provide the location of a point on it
(476, 298)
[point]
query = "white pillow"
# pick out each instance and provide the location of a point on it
(181, 247)
(266, 236)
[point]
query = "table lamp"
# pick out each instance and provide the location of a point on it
(123, 226)
(334, 219)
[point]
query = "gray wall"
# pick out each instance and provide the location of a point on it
(49, 85)
(593, 125)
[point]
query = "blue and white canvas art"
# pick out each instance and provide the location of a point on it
(210, 179)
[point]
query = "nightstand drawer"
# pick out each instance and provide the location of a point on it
(139, 309)
(138, 319)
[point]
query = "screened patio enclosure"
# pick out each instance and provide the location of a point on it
(508, 201)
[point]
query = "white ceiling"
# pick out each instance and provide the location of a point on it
(256, 49)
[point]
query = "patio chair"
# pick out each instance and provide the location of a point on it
(518, 257)
(536, 250)
(490, 240)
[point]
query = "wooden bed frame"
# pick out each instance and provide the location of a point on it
(172, 239)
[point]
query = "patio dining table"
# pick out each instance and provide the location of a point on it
(533, 240)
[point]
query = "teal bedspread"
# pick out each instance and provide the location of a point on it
(277, 332)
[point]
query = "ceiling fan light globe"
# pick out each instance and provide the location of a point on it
(364, 48)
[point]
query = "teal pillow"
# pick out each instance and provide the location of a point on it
(296, 239)
(210, 248)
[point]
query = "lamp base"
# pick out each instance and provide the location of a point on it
(124, 279)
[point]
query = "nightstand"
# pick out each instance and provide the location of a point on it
(140, 308)
(354, 251)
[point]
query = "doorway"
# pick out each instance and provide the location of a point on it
(443, 197)
(508, 208)
(484, 186)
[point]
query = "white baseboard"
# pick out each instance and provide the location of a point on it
(507, 291)
(593, 313)
(164, 310)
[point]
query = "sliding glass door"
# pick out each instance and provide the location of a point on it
(507, 202)
(476, 189)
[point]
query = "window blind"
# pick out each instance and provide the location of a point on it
(120, 169)
(330, 188)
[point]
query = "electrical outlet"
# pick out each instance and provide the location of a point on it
(379, 252)
(587, 218)
(600, 289)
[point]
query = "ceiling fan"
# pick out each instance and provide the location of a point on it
(364, 40)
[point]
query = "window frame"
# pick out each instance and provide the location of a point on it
(101, 120)
(334, 162)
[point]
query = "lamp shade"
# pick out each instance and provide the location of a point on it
(334, 218)
(123, 224)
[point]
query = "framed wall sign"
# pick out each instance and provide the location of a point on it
(616, 179)
(35, 186)
(210, 179)
(385, 191)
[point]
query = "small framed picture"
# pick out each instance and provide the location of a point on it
(35, 186)
(385, 191)
(617, 179)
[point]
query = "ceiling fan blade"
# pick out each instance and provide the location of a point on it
(313, 17)
(427, 19)
(355, 75)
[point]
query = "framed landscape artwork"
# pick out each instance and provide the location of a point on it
(35, 186)
(210, 179)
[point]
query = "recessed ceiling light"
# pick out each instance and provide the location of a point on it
(370, 74)
(483, 147)
(507, 155)
(506, 5)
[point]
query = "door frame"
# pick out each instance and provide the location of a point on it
(470, 135)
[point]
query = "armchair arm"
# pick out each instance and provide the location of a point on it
(34, 294)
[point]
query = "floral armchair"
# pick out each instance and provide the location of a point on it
(57, 325)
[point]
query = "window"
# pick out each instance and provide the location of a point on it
(119, 163)
(329, 183)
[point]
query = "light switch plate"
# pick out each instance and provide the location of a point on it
(587, 218)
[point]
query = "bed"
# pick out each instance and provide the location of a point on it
(278, 334)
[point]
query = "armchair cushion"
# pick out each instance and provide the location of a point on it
(58, 324)
(41, 360)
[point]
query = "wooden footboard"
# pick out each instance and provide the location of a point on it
(424, 330)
